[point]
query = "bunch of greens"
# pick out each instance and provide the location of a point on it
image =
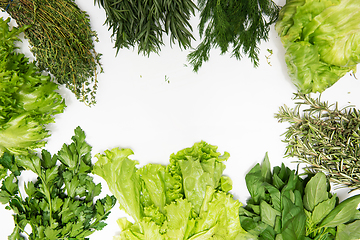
(62, 42)
(240, 24)
(321, 39)
(143, 23)
(325, 138)
(187, 199)
(285, 206)
(28, 101)
(60, 203)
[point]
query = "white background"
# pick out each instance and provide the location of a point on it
(228, 103)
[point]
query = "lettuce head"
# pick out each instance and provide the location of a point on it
(321, 39)
(187, 199)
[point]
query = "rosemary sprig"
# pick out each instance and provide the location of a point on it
(325, 138)
(62, 42)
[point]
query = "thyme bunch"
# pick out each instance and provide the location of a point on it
(62, 42)
(143, 23)
(325, 138)
(240, 25)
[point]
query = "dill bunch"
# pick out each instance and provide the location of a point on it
(240, 25)
(62, 42)
(325, 138)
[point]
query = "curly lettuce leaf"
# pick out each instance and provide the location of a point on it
(153, 178)
(198, 167)
(28, 98)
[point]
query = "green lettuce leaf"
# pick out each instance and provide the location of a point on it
(321, 39)
(120, 174)
(28, 97)
(198, 167)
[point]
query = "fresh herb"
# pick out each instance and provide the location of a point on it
(62, 42)
(187, 199)
(241, 25)
(28, 98)
(60, 203)
(320, 38)
(143, 23)
(325, 138)
(284, 206)
(270, 51)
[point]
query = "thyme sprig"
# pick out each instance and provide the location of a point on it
(62, 42)
(324, 137)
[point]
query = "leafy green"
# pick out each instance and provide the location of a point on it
(28, 99)
(60, 203)
(321, 39)
(186, 199)
(287, 207)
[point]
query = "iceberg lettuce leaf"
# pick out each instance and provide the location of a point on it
(321, 39)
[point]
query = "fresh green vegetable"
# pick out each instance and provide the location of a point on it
(62, 42)
(60, 203)
(324, 137)
(143, 23)
(284, 206)
(187, 199)
(321, 39)
(240, 25)
(28, 98)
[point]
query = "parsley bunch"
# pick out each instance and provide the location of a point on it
(60, 204)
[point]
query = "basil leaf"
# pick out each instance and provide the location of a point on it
(349, 231)
(266, 169)
(315, 191)
(268, 214)
(293, 220)
(323, 209)
(278, 182)
(342, 213)
(254, 183)
(274, 195)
